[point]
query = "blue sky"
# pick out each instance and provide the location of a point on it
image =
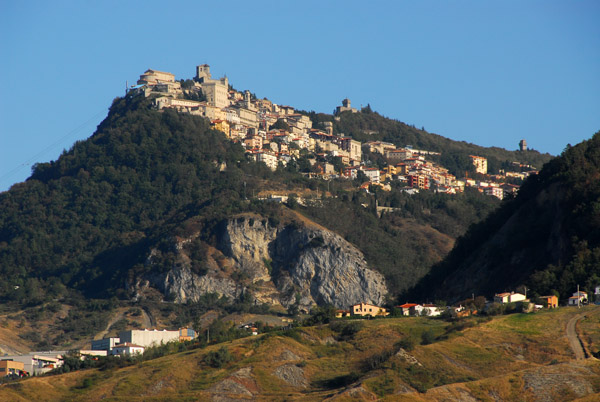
(486, 72)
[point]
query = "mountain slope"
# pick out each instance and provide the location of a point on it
(547, 238)
(508, 358)
(89, 220)
(81, 220)
(371, 126)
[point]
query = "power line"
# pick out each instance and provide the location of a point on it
(44, 151)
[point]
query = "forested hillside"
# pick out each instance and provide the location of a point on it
(82, 220)
(547, 238)
(371, 126)
(82, 228)
(87, 221)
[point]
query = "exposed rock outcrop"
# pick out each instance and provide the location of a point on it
(295, 263)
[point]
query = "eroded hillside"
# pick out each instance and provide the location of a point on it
(509, 358)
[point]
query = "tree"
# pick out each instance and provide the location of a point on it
(280, 124)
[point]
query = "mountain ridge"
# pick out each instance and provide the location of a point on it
(546, 238)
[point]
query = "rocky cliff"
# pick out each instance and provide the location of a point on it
(298, 263)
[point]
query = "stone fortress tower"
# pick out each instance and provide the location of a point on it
(216, 91)
(346, 106)
(523, 145)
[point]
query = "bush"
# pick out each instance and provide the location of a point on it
(339, 381)
(427, 337)
(347, 330)
(219, 358)
(376, 360)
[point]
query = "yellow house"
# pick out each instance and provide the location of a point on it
(365, 309)
(221, 125)
(9, 367)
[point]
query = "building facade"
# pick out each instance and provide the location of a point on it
(365, 309)
(146, 337)
(215, 91)
(480, 164)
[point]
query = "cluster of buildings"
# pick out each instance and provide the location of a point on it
(410, 167)
(432, 310)
(275, 134)
(246, 119)
(130, 342)
(135, 341)
(577, 299)
(34, 363)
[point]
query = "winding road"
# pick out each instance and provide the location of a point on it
(573, 338)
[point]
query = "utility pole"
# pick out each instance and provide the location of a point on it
(578, 297)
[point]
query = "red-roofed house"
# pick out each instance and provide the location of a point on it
(411, 308)
(578, 298)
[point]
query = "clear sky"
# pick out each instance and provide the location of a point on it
(486, 72)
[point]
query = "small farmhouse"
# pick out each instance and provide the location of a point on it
(578, 298)
(511, 297)
(365, 309)
(549, 301)
(410, 309)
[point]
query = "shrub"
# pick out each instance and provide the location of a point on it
(347, 330)
(339, 381)
(427, 337)
(219, 358)
(376, 360)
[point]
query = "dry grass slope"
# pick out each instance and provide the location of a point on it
(508, 358)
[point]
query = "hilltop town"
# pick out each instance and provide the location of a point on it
(277, 135)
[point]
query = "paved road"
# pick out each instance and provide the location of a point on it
(573, 338)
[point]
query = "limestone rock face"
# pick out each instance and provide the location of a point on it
(246, 240)
(185, 285)
(324, 269)
(297, 263)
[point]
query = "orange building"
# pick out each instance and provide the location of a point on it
(550, 301)
(9, 367)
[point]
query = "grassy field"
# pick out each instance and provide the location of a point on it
(515, 357)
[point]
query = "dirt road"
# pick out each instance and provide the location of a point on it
(573, 338)
(148, 319)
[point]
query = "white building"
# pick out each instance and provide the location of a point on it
(148, 337)
(578, 298)
(38, 362)
(431, 310)
(372, 173)
(494, 191)
(511, 297)
(127, 349)
(480, 164)
(267, 158)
